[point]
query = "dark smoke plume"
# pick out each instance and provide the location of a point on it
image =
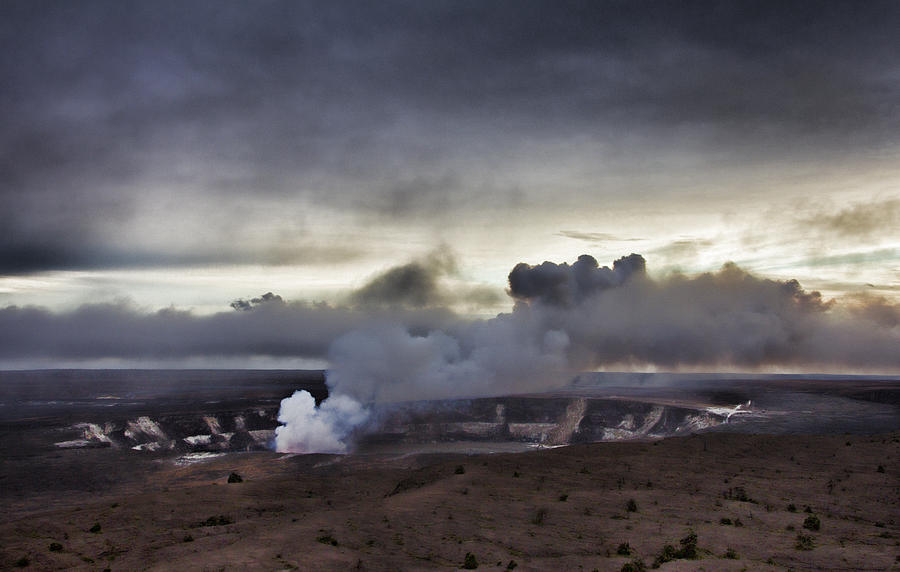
(564, 285)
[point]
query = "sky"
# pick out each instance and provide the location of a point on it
(395, 161)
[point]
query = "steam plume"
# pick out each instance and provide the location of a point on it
(569, 318)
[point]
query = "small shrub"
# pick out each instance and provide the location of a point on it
(635, 565)
(22, 562)
(95, 529)
(738, 494)
(792, 507)
(188, 538)
(804, 542)
(512, 565)
(725, 521)
(667, 554)
(806, 509)
(539, 516)
(327, 539)
(812, 522)
(516, 474)
(220, 520)
(235, 478)
(563, 498)
(880, 468)
(738, 523)
(688, 546)
(470, 563)
(631, 506)
(624, 549)
(56, 547)
(731, 554)
(789, 527)
(459, 470)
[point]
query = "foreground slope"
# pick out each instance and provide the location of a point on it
(565, 508)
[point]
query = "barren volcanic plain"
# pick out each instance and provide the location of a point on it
(806, 478)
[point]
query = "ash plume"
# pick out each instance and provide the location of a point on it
(570, 318)
(562, 284)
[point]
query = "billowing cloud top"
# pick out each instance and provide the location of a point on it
(565, 285)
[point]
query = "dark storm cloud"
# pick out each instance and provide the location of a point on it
(383, 108)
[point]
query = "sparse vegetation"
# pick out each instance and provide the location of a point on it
(792, 507)
(687, 551)
(738, 494)
(624, 549)
(812, 522)
(731, 554)
(220, 520)
(631, 506)
(56, 547)
(688, 546)
(804, 542)
(880, 468)
(470, 562)
(95, 529)
(459, 470)
(636, 565)
(22, 562)
(188, 538)
(563, 498)
(539, 516)
(667, 554)
(512, 565)
(725, 521)
(327, 539)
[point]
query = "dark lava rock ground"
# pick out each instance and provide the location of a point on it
(744, 496)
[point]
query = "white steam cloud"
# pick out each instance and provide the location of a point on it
(388, 364)
(309, 429)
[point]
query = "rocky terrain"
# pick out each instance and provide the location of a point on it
(722, 501)
(174, 472)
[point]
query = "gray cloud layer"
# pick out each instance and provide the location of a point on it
(567, 318)
(401, 110)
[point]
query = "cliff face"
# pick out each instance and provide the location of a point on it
(542, 420)
(242, 430)
(535, 419)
